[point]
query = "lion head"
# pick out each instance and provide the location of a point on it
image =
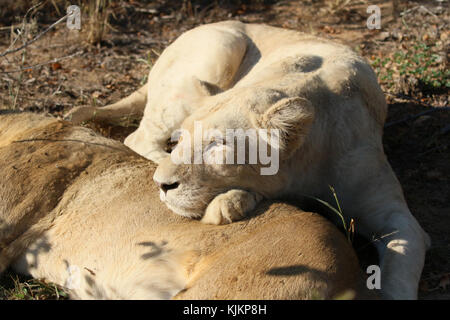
(236, 141)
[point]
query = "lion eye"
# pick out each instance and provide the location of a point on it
(217, 141)
(170, 145)
(172, 142)
(210, 145)
(213, 143)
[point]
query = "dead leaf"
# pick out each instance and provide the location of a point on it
(56, 66)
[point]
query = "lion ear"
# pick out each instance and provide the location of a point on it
(293, 118)
(207, 88)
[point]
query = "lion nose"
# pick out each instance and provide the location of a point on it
(166, 187)
(166, 177)
(164, 184)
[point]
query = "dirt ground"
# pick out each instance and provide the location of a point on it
(409, 53)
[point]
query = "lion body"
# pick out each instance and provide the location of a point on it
(323, 98)
(82, 211)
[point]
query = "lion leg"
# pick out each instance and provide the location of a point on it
(375, 199)
(401, 244)
(402, 256)
(230, 206)
(129, 107)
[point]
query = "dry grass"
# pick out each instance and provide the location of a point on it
(98, 20)
(14, 287)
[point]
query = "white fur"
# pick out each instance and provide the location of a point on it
(327, 102)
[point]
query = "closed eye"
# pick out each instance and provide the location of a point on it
(170, 145)
(172, 142)
(214, 143)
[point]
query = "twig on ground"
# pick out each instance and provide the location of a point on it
(43, 63)
(416, 8)
(409, 10)
(21, 30)
(150, 11)
(26, 44)
(427, 10)
(415, 116)
(405, 97)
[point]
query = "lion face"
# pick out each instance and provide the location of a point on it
(233, 143)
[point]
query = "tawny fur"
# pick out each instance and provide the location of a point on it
(82, 211)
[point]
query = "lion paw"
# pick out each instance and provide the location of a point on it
(230, 206)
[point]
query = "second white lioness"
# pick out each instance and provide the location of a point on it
(321, 96)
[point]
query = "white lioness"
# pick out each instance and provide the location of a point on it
(82, 211)
(324, 99)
